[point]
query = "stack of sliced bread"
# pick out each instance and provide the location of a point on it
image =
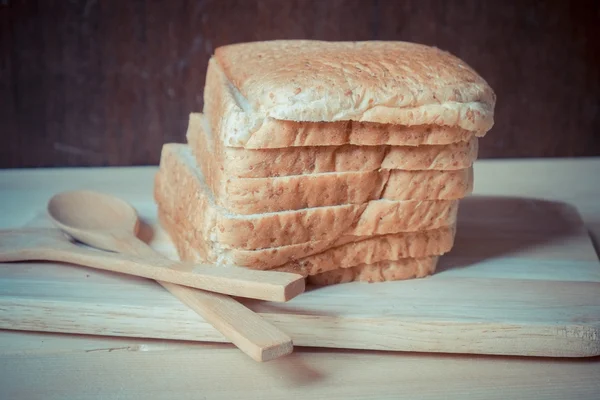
(339, 161)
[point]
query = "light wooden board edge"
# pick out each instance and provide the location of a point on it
(543, 340)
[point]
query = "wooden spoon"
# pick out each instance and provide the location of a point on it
(108, 223)
(53, 245)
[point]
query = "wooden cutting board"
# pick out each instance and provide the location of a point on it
(523, 279)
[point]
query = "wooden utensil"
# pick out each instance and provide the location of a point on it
(53, 245)
(523, 279)
(109, 223)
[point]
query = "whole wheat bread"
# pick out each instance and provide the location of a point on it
(215, 157)
(281, 193)
(263, 195)
(365, 255)
(406, 268)
(383, 82)
(220, 99)
(249, 163)
(179, 174)
(312, 257)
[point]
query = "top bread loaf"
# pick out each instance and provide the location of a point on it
(252, 86)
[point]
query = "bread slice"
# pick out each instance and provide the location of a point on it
(406, 268)
(263, 195)
(230, 119)
(361, 260)
(310, 81)
(312, 257)
(180, 177)
(218, 161)
(281, 193)
(369, 251)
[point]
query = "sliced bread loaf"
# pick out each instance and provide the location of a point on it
(383, 82)
(222, 161)
(313, 257)
(263, 195)
(281, 193)
(179, 175)
(362, 259)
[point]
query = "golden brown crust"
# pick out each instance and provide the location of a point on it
(385, 82)
(238, 125)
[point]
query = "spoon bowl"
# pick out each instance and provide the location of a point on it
(96, 219)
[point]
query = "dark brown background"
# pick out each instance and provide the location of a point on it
(107, 82)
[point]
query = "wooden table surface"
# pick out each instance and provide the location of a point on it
(54, 366)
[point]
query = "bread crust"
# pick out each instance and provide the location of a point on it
(394, 83)
(383, 271)
(179, 176)
(233, 117)
(332, 257)
(230, 162)
(220, 165)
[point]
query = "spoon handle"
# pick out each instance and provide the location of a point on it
(140, 260)
(227, 279)
(244, 328)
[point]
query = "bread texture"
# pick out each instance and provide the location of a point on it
(228, 116)
(264, 195)
(339, 161)
(179, 175)
(373, 250)
(406, 268)
(218, 161)
(393, 83)
(312, 257)
(294, 192)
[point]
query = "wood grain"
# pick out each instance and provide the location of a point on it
(523, 279)
(37, 365)
(51, 245)
(111, 224)
(106, 83)
(55, 367)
